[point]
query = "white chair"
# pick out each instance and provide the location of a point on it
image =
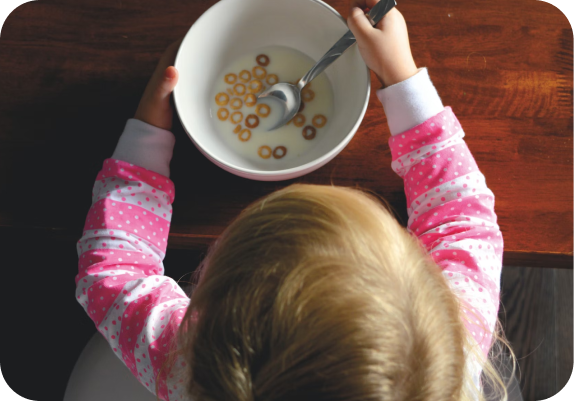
(100, 376)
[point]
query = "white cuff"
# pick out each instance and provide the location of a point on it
(410, 102)
(146, 146)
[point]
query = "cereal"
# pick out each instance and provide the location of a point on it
(238, 112)
(222, 114)
(308, 95)
(272, 79)
(309, 132)
(252, 121)
(245, 76)
(279, 152)
(263, 110)
(236, 117)
(222, 99)
(319, 121)
(236, 104)
(259, 72)
(250, 100)
(245, 135)
(299, 120)
(263, 60)
(230, 79)
(264, 152)
(255, 86)
(239, 89)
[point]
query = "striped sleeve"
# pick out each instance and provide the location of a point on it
(451, 211)
(121, 283)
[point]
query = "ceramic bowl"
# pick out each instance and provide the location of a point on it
(232, 27)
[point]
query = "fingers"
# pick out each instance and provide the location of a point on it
(155, 107)
(166, 85)
(359, 24)
(362, 4)
(168, 57)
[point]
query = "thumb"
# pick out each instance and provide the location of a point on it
(359, 24)
(167, 83)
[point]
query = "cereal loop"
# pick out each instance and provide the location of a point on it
(230, 79)
(255, 86)
(299, 120)
(259, 72)
(222, 114)
(262, 60)
(250, 100)
(236, 104)
(237, 129)
(308, 95)
(245, 76)
(236, 117)
(245, 135)
(272, 79)
(239, 89)
(263, 110)
(222, 99)
(319, 121)
(252, 121)
(264, 152)
(280, 152)
(309, 132)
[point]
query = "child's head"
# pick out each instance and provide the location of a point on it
(317, 293)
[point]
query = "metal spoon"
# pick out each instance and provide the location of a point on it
(289, 96)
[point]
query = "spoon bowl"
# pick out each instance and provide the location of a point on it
(289, 97)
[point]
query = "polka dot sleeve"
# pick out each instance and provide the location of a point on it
(451, 211)
(120, 282)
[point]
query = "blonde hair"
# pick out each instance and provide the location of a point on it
(317, 293)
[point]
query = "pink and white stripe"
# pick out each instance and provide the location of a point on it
(451, 211)
(121, 282)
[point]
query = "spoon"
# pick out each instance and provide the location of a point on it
(289, 96)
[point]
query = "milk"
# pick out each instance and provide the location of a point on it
(289, 65)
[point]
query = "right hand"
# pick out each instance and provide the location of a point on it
(385, 48)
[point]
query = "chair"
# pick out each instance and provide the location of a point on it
(99, 375)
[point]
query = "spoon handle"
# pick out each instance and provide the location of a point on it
(375, 15)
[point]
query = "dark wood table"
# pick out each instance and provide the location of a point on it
(72, 72)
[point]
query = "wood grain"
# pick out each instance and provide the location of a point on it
(72, 73)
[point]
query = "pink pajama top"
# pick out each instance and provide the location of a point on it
(121, 281)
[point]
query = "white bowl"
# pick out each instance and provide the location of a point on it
(232, 27)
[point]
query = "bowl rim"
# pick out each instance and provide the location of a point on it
(327, 156)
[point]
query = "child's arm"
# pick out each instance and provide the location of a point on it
(120, 281)
(451, 211)
(450, 208)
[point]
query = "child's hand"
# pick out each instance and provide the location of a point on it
(385, 48)
(155, 107)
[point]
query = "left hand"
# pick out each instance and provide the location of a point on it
(155, 107)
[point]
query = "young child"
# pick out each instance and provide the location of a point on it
(314, 292)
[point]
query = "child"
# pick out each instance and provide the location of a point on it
(314, 292)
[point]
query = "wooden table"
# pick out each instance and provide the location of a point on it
(72, 72)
